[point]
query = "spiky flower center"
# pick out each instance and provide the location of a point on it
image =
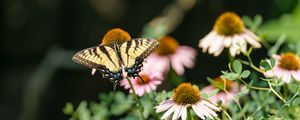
(167, 45)
(227, 83)
(185, 94)
(229, 24)
(146, 79)
(289, 61)
(115, 36)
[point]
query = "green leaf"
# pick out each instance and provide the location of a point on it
(245, 74)
(229, 76)
(216, 84)
(287, 24)
(68, 109)
(214, 92)
(274, 49)
(244, 92)
(294, 87)
(237, 66)
(272, 61)
(296, 101)
(265, 65)
(204, 95)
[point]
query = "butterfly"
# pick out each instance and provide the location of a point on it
(115, 60)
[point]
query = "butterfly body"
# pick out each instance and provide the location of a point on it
(113, 60)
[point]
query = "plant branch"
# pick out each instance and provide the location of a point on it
(136, 98)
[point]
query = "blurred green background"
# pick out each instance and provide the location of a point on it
(39, 37)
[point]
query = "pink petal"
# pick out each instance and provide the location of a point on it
(177, 113)
(251, 41)
(184, 113)
(177, 66)
(164, 105)
(227, 41)
(208, 110)
(206, 41)
(206, 113)
(198, 111)
(286, 77)
(210, 105)
(296, 75)
(217, 43)
(170, 111)
(219, 51)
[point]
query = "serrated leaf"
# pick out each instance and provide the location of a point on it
(245, 74)
(216, 84)
(237, 66)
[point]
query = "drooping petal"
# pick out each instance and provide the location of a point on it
(184, 113)
(286, 77)
(164, 105)
(211, 112)
(177, 66)
(177, 113)
(218, 42)
(205, 113)
(251, 41)
(210, 105)
(170, 111)
(296, 75)
(198, 111)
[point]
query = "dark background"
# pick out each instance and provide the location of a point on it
(39, 37)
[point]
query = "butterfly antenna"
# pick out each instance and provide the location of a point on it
(141, 79)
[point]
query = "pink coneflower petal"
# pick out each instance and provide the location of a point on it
(210, 105)
(165, 105)
(215, 45)
(184, 113)
(170, 111)
(151, 80)
(198, 111)
(178, 112)
(158, 63)
(185, 95)
(210, 112)
(296, 75)
(286, 77)
(286, 67)
(223, 35)
(178, 67)
(252, 41)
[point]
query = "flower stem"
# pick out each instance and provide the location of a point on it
(237, 102)
(252, 65)
(227, 115)
(253, 87)
(280, 97)
(190, 117)
(136, 98)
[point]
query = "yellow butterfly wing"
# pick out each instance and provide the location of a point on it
(102, 58)
(133, 53)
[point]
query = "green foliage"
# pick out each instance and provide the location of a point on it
(216, 84)
(237, 66)
(287, 24)
(267, 64)
(253, 24)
